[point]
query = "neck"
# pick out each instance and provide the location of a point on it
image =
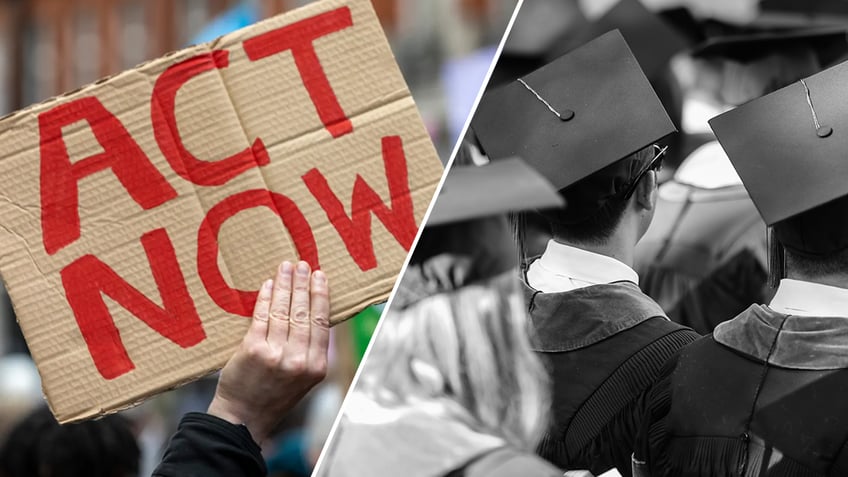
(835, 280)
(617, 247)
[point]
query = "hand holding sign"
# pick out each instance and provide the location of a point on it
(283, 355)
(131, 206)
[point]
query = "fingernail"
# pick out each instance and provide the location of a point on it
(267, 284)
(286, 267)
(302, 268)
(319, 276)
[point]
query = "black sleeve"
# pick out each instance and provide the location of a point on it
(207, 446)
(649, 457)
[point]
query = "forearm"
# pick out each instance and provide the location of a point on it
(207, 446)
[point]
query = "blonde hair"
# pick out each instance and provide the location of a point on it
(470, 346)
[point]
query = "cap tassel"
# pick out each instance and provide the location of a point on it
(519, 231)
(565, 115)
(776, 260)
(822, 131)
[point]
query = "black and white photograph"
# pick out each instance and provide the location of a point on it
(680, 309)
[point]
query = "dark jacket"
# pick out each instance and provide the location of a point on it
(604, 346)
(206, 446)
(703, 259)
(764, 396)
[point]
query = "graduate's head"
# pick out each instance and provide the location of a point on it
(814, 243)
(588, 121)
(790, 150)
(621, 195)
(455, 336)
(742, 66)
(39, 447)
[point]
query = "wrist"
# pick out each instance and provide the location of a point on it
(222, 409)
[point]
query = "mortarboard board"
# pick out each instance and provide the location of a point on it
(793, 12)
(789, 148)
(467, 238)
(538, 25)
(573, 119)
(828, 43)
(653, 40)
(519, 187)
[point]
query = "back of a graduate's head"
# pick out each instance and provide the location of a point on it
(595, 230)
(815, 243)
(596, 206)
(812, 268)
(469, 346)
(738, 81)
(742, 67)
(587, 122)
(789, 151)
(455, 337)
(457, 333)
(38, 446)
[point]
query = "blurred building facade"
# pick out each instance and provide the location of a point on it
(48, 47)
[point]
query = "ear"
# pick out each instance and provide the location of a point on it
(646, 192)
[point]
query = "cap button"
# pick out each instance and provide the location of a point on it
(824, 131)
(566, 115)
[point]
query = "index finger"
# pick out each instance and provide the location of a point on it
(259, 324)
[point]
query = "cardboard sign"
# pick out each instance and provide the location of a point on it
(140, 214)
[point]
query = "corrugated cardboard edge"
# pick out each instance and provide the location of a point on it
(346, 314)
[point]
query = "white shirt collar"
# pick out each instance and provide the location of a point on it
(564, 268)
(800, 298)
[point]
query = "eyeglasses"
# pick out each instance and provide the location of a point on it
(654, 165)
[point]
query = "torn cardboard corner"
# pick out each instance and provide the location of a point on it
(141, 214)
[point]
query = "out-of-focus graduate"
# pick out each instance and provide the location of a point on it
(451, 386)
(589, 122)
(704, 257)
(764, 395)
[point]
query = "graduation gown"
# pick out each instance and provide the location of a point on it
(604, 346)
(764, 396)
(703, 258)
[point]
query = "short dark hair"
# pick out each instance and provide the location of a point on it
(600, 226)
(38, 446)
(806, 266)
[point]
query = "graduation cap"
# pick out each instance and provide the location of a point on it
(827, 43)
(467, 238)
(547, 29)
(538, 25)
(789, 148)
(654, 40)
(578, 121)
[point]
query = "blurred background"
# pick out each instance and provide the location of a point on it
(47, 47)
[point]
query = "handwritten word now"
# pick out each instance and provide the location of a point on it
(87, 278)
